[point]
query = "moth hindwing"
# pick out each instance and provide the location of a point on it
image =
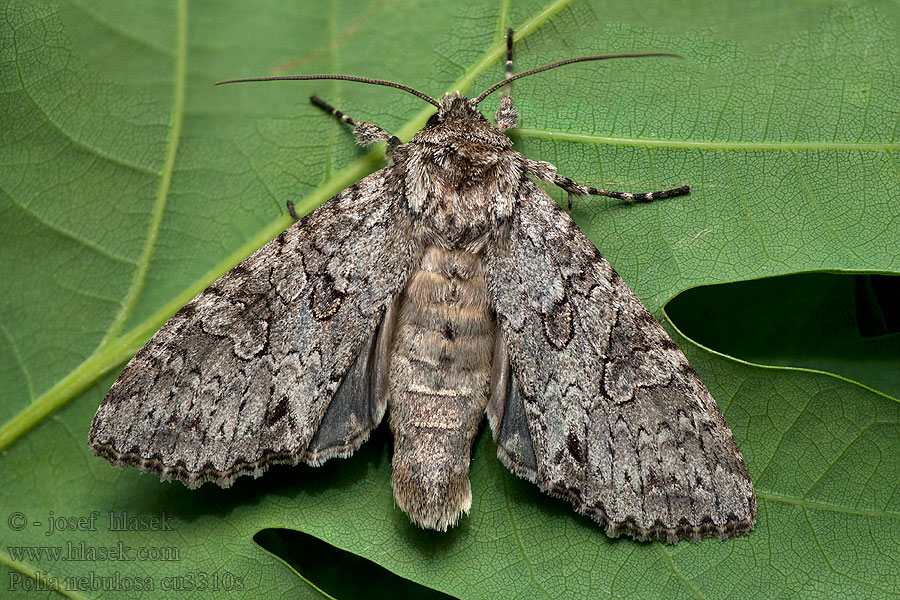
(445, 286)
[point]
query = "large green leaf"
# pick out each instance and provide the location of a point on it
(129, 183)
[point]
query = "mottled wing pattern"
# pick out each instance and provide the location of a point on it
(593, 401)
(280, 360)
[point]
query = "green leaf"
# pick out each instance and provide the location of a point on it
(130, 182)
(824, 321)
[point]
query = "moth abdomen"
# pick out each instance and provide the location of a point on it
(439, 378)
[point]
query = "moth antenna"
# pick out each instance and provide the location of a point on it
(399, 86)
(569, 61)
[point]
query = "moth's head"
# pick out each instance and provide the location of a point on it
(456, 116)
(455, 106)
(459, 122)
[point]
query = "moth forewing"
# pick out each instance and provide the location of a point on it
(274, 362)
(619, 422)
(440, 288)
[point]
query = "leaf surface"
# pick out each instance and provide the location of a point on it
(130, 183)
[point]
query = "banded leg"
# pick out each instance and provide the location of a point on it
(547, 172)
(509, 52)
(366, 133)
(507, 116)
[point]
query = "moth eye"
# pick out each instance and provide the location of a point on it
(433, 120)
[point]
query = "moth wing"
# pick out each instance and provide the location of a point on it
(593, 401)
(283, 359)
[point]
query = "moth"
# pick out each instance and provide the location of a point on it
(442, 287)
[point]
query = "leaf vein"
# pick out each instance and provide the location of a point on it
(21, 363)
(637, 142)
(519, 546)
(824, 506)
(159, 205)
(64, 133)
(818, 209)
(676, 575)
(71, 235)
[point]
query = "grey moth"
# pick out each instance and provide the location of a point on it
(442, 288)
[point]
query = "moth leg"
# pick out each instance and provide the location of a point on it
(547, 172)
(509, 54)
(507, 116)
(293, 212)
(366, 133)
